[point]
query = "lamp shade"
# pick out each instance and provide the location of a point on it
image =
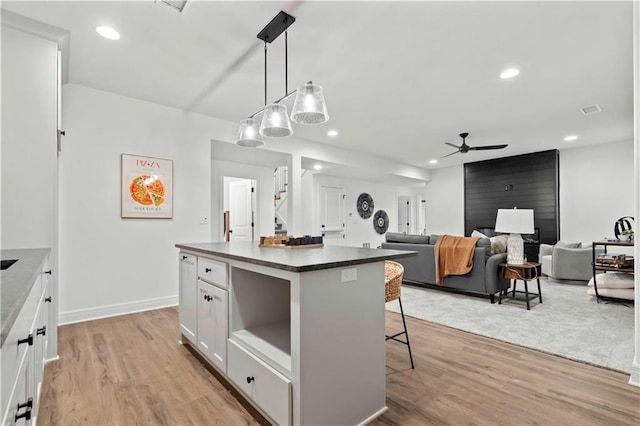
(309, 106)
(515, 221)
(275, 121)
(249, 134)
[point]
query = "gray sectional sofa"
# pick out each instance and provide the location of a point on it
(420, 269)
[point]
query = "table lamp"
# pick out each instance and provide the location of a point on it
(515, 222)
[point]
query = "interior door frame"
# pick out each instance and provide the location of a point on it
(255, 207)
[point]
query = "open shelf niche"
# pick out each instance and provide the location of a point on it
(260, 319)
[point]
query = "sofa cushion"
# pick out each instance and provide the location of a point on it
(486, 244)
(399, 237)
(433, 239)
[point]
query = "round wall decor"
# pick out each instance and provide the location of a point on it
(365, 205)
(381, 221)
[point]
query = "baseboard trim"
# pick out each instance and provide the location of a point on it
(634, 379)
(107, 311)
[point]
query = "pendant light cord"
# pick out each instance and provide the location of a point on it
(286, 62)
(265, 73)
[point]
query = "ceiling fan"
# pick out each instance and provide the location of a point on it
(464, 148)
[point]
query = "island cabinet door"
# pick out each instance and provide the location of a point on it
(212, 324)
(188, 295)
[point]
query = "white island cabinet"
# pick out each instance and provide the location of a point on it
(305, 328)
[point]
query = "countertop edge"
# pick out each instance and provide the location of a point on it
(17, 307)
(290, 268)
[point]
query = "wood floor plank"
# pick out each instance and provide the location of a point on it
(131, 370)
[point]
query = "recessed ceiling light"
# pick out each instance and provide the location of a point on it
(332, 133)
(509, 73)
(108, 32)
(570, 138)
(317, 167)
(433, 161)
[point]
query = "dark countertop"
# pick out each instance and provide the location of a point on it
(16, 283)
(298, 259)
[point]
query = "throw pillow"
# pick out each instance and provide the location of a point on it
(613, 280)
(499, 244)
(478, 234)
(568, 245)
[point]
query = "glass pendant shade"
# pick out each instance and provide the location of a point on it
(309, 106)
(275, 121)
(249, 134)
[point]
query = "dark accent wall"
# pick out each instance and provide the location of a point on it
(529, 181)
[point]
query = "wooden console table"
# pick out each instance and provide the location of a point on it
(596, 268)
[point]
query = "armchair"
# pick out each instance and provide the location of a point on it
(565, 263)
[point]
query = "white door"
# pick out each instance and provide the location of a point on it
(331, 209)
(240, 210)
(404, 214)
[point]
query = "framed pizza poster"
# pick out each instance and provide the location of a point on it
(146, 187)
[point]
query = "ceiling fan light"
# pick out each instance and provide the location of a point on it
(249, 134)
(275, 121)
(309, 106)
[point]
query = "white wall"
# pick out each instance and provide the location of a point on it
(596, 185)
(29, 125)
(357, 229)
(264, 212)
(444, 195)
(596, 189)
(110, 265)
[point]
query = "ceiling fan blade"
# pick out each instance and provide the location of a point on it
(487, 147)
(449, 155)
(450, 144)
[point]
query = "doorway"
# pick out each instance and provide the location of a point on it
(239, 209)
(404, 214)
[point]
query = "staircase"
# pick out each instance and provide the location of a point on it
(280, 178)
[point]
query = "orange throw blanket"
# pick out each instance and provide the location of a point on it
(454, 256)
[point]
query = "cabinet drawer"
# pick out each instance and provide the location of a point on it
(212, 271)
(267, 388)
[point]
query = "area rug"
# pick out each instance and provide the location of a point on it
(568, 323)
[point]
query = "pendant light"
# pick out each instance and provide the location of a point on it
(249, 134)
(309, 106)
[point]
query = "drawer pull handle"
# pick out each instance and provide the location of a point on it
(47, 299)
(27, 413)
(250, 379)
(42, 331)
(28, 340)
(184, 257)
(207, 270)
(48, 272)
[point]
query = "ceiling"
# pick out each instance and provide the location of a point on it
(400, 79)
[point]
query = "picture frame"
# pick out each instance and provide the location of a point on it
(146, 187)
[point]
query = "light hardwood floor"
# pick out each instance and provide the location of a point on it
(131, 370)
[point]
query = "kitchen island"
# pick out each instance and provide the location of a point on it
(299, 332)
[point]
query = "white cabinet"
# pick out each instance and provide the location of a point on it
(212, 323)
(188, 293)
(24, 353)
(204, 306)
